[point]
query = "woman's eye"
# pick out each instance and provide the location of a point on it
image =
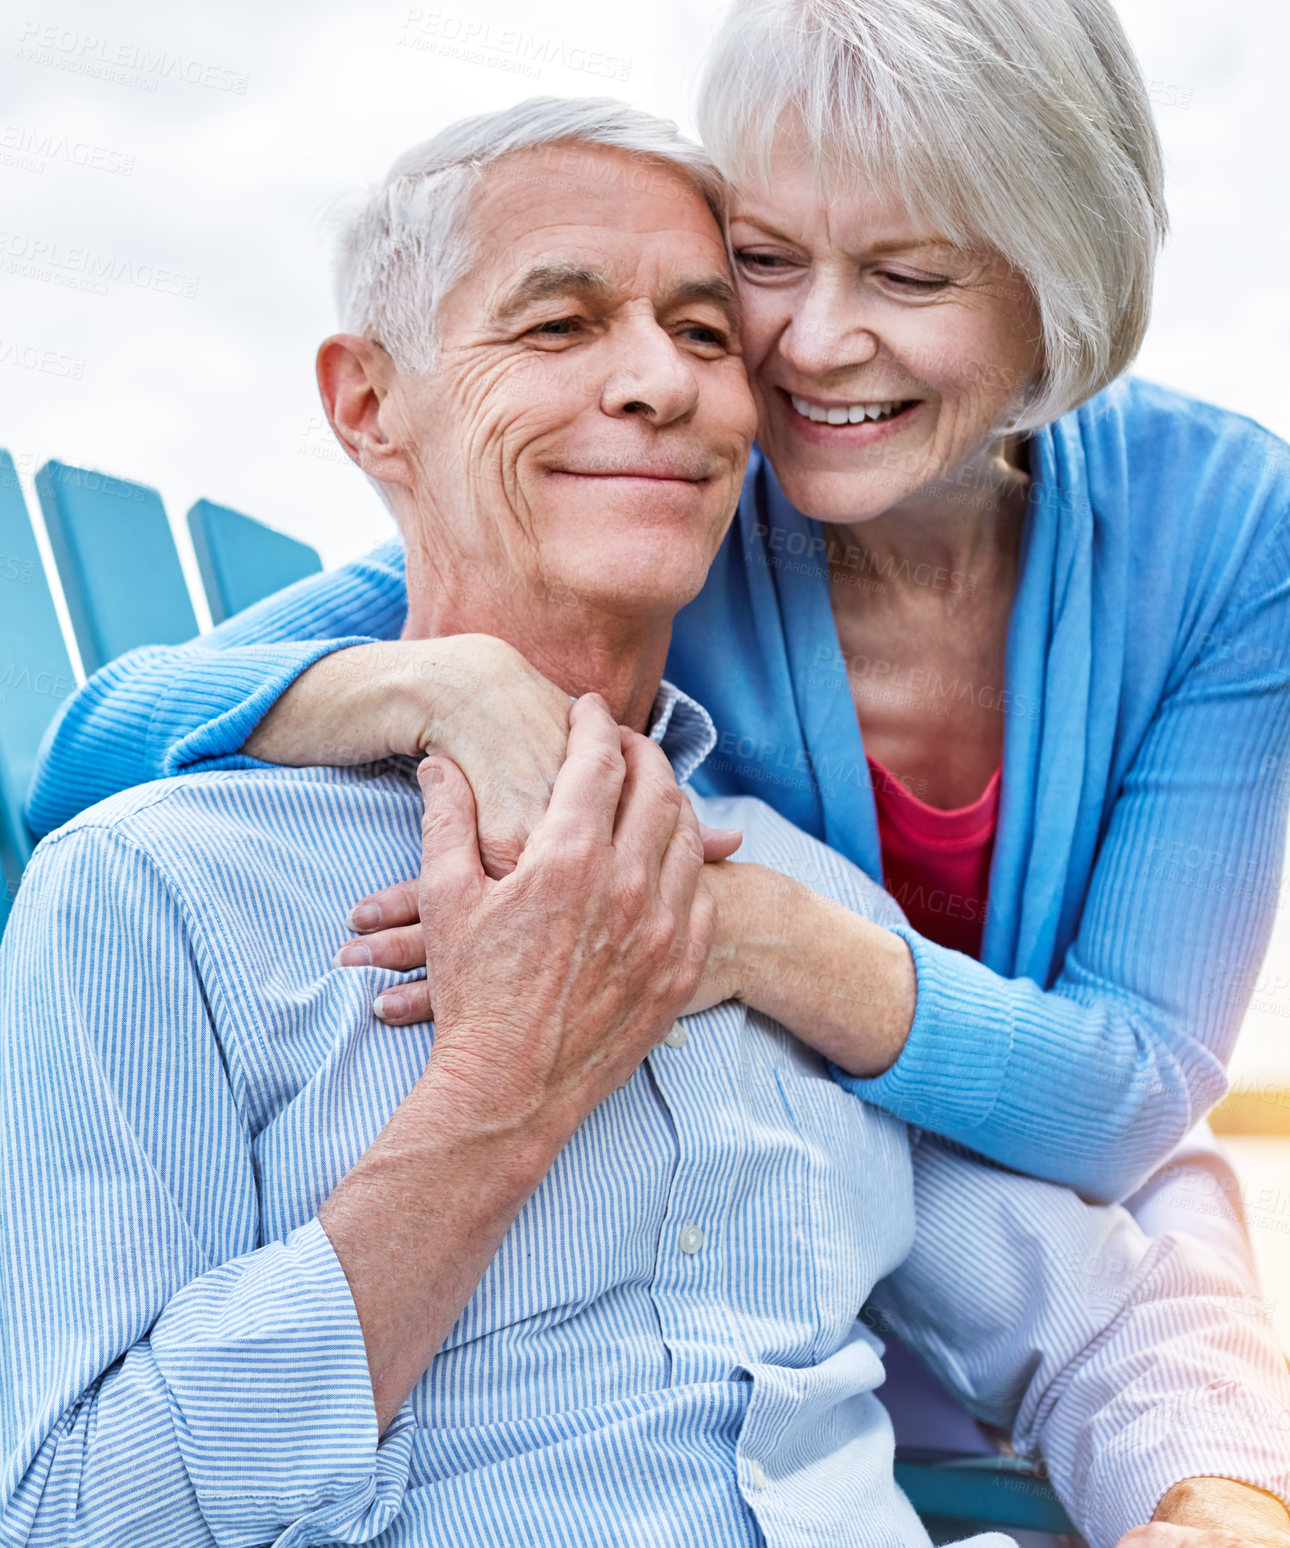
(765, 263)
(701, 333)
(915, 281)
(557, 328)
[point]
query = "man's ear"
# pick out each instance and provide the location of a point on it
(355, 377)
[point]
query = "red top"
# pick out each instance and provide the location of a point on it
(936, 864)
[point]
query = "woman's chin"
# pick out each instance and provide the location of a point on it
(846, 473)
(841, 497)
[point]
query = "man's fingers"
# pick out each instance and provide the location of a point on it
(719, 843)
(450, 862)
(405, 1005)
(383, 910)
(683, 861)
(650, 805)
(585, 796)
(403, 949)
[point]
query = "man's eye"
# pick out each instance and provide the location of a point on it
(701, 333)
(557, 328)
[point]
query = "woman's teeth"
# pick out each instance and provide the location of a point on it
(846, 413)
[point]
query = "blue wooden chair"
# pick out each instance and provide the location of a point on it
(117, 562)
(124, 587)
(959, 1495)
(241, 561)
(35, 672)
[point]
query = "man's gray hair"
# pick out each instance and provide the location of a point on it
(404, 245)
(1021, 126)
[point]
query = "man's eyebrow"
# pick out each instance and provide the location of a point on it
(716, 292)
(548, 280)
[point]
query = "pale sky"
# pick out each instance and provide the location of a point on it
(195, 151)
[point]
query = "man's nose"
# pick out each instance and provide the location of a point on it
(830, 331)
(652, 377)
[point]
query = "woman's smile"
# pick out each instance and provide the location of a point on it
(844, 422)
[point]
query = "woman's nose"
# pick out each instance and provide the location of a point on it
(827, 333)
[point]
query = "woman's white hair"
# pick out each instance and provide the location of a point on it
(1020, 126)
(402, 246)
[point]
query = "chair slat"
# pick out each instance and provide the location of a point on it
(979, 1493)
(241, 560)
(117, 562)
(35, 672)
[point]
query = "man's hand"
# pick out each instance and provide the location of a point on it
(390, 934)
(552, 984)
(844, 986)
(1214, 1513)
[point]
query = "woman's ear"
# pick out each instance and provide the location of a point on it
(358, 383)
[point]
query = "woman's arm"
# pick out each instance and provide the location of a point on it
(164, 710)
(1094, 1081)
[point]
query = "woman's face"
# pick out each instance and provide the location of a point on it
(882, 358)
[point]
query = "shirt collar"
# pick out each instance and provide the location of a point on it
(682, 728)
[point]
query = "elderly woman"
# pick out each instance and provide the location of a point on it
(1003, 628)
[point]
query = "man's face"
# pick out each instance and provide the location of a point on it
(585, 429)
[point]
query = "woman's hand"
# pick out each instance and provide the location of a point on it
(468, 697)
(1214, 1513)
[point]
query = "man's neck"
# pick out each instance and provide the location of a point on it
(576, 646)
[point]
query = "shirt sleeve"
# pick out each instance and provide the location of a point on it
(164, 710)
(1150, 996)
(1129, 1362)
(170, 1375)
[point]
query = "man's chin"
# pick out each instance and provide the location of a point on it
(636, 578)
(654, 551)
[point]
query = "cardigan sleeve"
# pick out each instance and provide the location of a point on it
(164, 710)
(1094, 1081)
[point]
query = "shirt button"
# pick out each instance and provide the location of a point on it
(756, 1474)
(690, 1239)
(678, 1037)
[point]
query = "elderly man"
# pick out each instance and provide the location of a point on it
(559, 1268)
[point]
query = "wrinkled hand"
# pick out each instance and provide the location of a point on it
(553, 983)
(506, 727)
(1214, 1513)
(469, 697)
(1164, 1534)
(388, 934)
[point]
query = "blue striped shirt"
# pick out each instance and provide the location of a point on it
(668, 1348)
